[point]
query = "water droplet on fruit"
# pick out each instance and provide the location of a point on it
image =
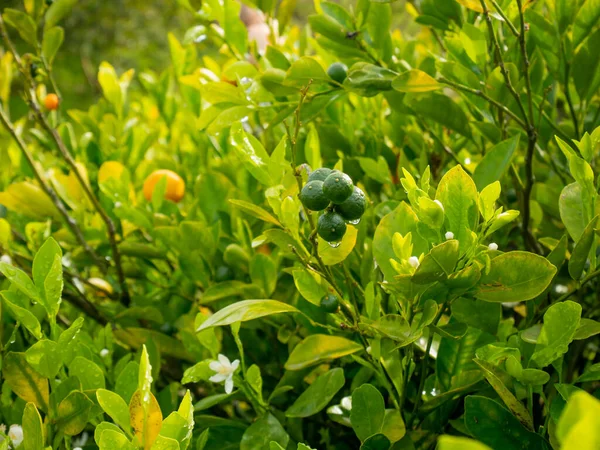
(335, 244)
(354, 222)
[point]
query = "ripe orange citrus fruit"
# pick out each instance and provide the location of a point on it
(175, 185)
(51, 102)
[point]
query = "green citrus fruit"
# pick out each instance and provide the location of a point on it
(312, 196)
(319, 174)
(337, 187)
(331, 226)
(330, 303)
(354, 206)
(337, 72)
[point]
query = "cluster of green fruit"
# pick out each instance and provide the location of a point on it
(333, 192)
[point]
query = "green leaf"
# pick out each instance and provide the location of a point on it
(582, 249)
(516, 407)
(88, 372)
(587, 328)
(393, 425)
(368, 411)
(45, 357)
(33, 428)
(256, 211)
(456, 356)
(376, 442)
(458, 194)
(495, 426)
(285, 13)
(56, 11)
(262, 432)
(572, 210)
(592, 373)
(235, 31)
(331, 255)
(252, 154)
(114, 405)
(310, 285)
(320, 347)
(22, 315)
(20, 280)
(560, 324)
(438, 263)
(585, 20)
(47, 275)
(53, 39)
(441, 109)
(23, 23)
(477, 313)
(73, 413)
(244, 311)
(312, 148)
(402, 220)
(415, 81)
(514, 277)
(302, 71)
(495, 162)
(318, 394)
(24, 381)
(447, 442)
(368, 80)
(111, 439)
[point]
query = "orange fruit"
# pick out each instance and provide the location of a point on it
(175, 185)
(51, 102)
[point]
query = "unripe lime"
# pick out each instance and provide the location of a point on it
(337, 187)
(312, 196)
(331, 226)
(354, 206)
(319, 174)
(337, 72)
(330, 303)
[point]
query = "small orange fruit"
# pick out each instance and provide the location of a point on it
(51, 102)
(175, 185)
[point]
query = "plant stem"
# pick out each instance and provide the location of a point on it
(486, 97)
(60, 206)
(110, 226)
(505, 17)
(568, 97)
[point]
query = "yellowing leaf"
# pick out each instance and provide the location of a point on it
(146, 422)
(30, 200)
(475, 5)
(415, 81)
(24, 381)
(334, 255)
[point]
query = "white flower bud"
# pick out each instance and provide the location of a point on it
(449, 235)
(413, 261)
(493, 246)
(104, 352)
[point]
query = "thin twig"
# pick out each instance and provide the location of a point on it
(60, 206)
(505, 17)
(487, 98)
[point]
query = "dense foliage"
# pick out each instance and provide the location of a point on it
(182, 269)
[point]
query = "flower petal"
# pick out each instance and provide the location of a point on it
(229, 385)
(218, 378)
(224, 360)
(234, 365)
(215, 366)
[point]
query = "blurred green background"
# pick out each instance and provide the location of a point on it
(126, 33)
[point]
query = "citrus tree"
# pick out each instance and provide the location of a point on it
(377, 230)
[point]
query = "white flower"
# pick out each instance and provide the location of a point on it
(15, 433)
(449, 235)
(467, 161)
(346, 403)
(561, 289)
(413, 261)
(369, 349)
(439, 204)
(493, 246)
(104, 352)
(225, 370)
(6, 259)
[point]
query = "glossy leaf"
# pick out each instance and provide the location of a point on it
(244, 311)
(319, 347)
(318, 394)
